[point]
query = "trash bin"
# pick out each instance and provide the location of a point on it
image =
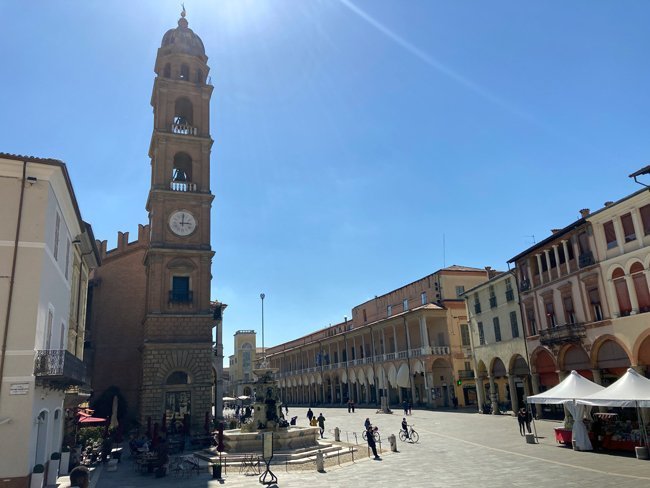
(530, 439)
(393, 442)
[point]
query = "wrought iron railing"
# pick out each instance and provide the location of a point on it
(180, 296)
(562, 334)
(59, 366)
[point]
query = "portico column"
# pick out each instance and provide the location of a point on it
(526, 388)
(548, 264)
(610, 295)
(424, 335)
(598, 377)
(620, 238)
(383, 341)
(534, 380)
(641, 369)
(408, 335)
(480, 397)
(493, 396)
(514, 400)
(638, 228)
(539, 268)
(565, 248)
(557, 259)
(631, 291)
(358, 388)
(394, 340)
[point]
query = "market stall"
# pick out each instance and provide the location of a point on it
(571, 388)
(630, 391)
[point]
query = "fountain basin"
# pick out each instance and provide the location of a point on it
(236, 441)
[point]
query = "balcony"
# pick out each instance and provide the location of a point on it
(465, 374)
(562, 334)
(176, 296)
(182, 186)
(510, 295)
(59, 367)
(586, 259)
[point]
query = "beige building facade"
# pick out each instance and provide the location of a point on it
(584, 294)
(242, 363)
(404, 345)
(46, 254)
(496, 337)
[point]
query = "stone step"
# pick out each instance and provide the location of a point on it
(297, 456)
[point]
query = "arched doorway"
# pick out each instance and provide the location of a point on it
(442, 376)
(575, 358)
(612, 360)
(501, 392)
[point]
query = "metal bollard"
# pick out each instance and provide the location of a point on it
(337, 434)
(393, 442)
(320, 462)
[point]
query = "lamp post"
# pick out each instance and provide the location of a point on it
(262, 296)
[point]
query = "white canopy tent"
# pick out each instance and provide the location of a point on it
(630, 390)
(573, 387)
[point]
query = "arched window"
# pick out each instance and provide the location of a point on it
(182, 171)
(185, 72)
(167, 71)
(622, 293)
(183, 116)
(640, 287)
(178, 378)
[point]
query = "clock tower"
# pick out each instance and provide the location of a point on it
(177, 375)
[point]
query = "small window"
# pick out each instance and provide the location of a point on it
(67, 259)
(497, 329)
(550, 314)
(569, 312)
(185, 72)
(180, 291)
(48, 329)
(594, 298)
(532, 323)
(481, 334)
(508, 284)
(645, 218)
(514, 325)
(464, 335)
(610, 234)
(57, 229)
(405, 304)
(365, 316)
(628, 227)
(460, 290)
(423, 297)
(389, 310)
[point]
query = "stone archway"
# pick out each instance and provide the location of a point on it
(576, 358)
(611, 360)
(545, 370)
(442, 382)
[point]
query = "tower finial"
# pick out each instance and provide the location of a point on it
(183, 13)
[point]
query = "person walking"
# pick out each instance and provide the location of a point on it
(370, 436)
(405, 406)
(352, 405)
(529, 419)
(521, 420)
(310, 415)
(321, 424)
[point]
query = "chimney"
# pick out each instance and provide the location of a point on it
(555, 231)
(584, 212)
(608, 204)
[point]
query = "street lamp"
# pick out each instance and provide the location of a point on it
(262, 296)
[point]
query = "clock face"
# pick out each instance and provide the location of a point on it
(182, 223)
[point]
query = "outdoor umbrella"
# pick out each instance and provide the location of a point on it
(573, 387)
(114, 422)
(91, 420)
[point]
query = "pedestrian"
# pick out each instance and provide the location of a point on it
(521, 420)
(367, 423)
(405, 406)
(321, 424)
(286, 409)
(455, 402)
(349, 406)
(79, 477)
(529, 418)
(352, 405)
(370, 436)
(313, 422)
(310, 415)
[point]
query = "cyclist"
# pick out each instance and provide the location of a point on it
(405, 427)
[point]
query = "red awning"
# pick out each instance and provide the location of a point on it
(91, 420)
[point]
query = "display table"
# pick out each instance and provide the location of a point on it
(563, 436)
(613, 445)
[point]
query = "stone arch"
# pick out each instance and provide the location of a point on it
(370, 375)
(418, 367)
(182, 171)
(183, 114)
(518, 365)
(402, 378)
(353, 375)
(181, 264)
(611, 356)
(574, 357)
(180, 361)
(381, 377)
(177, 378)
(544, 364)
(392, 375)
(642, 349)
(481, 369)
(344, 377)
(497, 368)
(361, 376)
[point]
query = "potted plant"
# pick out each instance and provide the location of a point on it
(53, 468)
(65, 461)
(37, 476)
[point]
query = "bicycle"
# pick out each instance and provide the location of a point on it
(375, 434)
(413, 436)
